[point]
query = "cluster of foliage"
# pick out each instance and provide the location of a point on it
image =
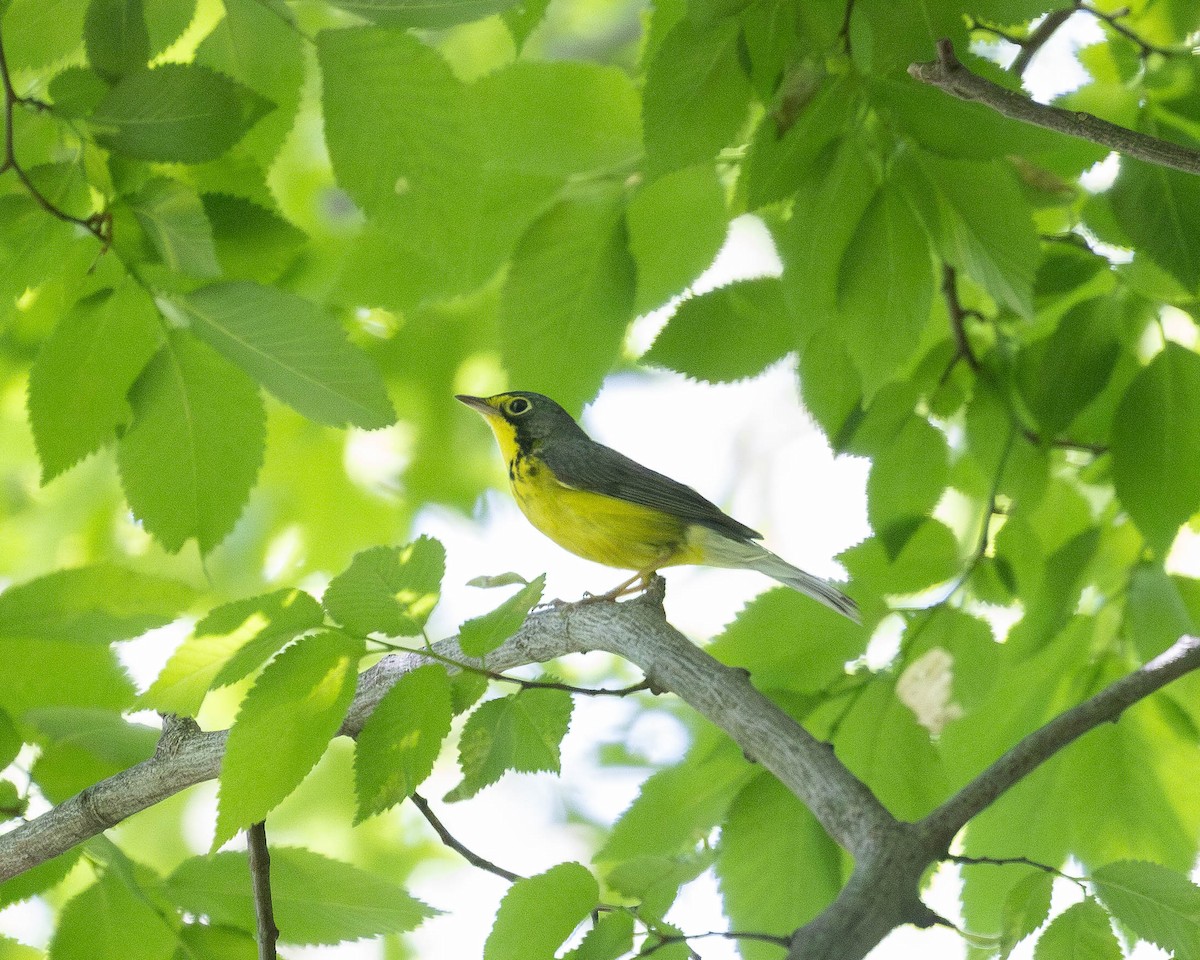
(362, 207)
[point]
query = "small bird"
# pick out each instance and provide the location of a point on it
(604, 507)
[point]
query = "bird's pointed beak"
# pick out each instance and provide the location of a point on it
(478, 404)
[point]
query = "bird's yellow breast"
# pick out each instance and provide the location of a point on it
(603, 529)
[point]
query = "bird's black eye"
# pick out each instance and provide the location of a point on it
(518, 406)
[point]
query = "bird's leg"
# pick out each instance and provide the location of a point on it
(636, 583)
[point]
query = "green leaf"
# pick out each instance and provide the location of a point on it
(252, 242)
(983, 223)
(1152, 758)
(228, 644)
(569, 294)
(1050, 604)
(205, 942)
(10, 740)
(82, 746)
(190, 457)
(1025, 909)
(679, 806)
(523, 19)
(401, 740)
(317, 900)
(69, 674)
(1155, 612)
(1157, 904)
(294, 349)
(283, 727)
(481, 635)
(176, 112)
(1082, 930)
(778, 162)
(538, 913)
(45, 876)
(906, 482)
(521, 732)
(451, 186)
(610, 938)
(100, 604)
(885, 288)
(787, 642)
(1061, 374)
(929, 557)
(12, 804)
(391, 70)
(831, 387)
(696, 95)
(171, 214)
(428, 14)
(76, 91)
(390, 590)
(698, 339)
(1156, 207)
(879, 728)
(112, 920)
(888, 35)
(498, 580)
(677, 225)
(116, 37)
(775, 894)
(1156, 445)
(78, 383)
(39, 32)
(260, 45)
(266, 623)
(840, 189)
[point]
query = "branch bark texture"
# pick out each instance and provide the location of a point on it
(948, 73)
(890, 856)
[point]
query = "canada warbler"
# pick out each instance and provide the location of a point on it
(599, 504)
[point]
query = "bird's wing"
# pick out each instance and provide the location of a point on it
(587, 465)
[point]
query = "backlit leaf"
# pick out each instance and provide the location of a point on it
(283, 727)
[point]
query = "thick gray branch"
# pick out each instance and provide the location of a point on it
(636, 630)
(949, 74)
(1045, 742)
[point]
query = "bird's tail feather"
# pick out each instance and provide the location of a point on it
(721, 551)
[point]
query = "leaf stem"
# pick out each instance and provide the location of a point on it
(456, 845)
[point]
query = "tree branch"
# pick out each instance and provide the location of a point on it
(890, 856)
(636, 630)
(1045, 742)
(948, 74)
(260, 879)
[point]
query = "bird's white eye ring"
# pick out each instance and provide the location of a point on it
(518, 406)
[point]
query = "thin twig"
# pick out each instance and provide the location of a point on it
(520, 681)
(948, 74)
(966, 861)
(958, 316)
(260, 879)
(98, 224)
(1113, 19)
(458, 847)
(666, 939)
(1037, 39)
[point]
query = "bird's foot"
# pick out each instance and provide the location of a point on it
(635, 584)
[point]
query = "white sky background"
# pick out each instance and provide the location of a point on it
(752, 449)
